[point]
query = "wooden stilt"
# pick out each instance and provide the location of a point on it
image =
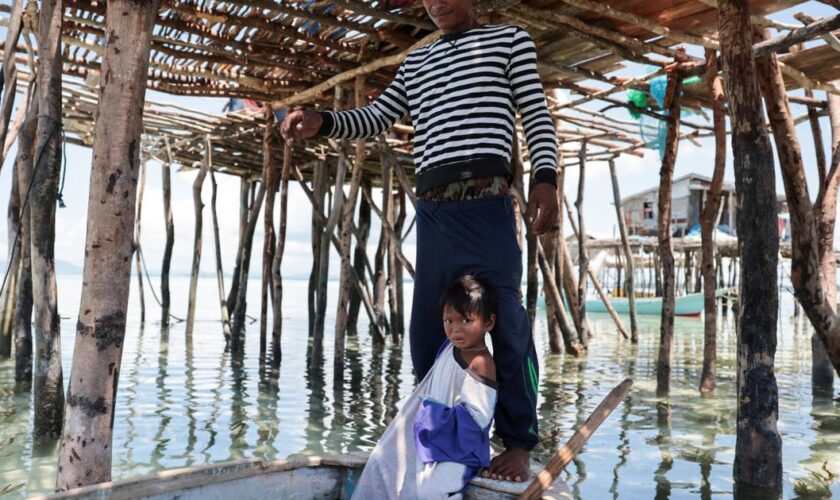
(137, 249)
(379, 273)
(399, 225)
(244, 210)
(170, 236)
(630, 275)
(666, 254)
(23, 308)
(198, 207)
(359, 256)
(573, 346)
(92, 391)
(277, 279)
(220, 277)
(9, 73)
(758, 446)
(583, 253)
(556, 335)
(48, 388)
(9, 297)
(319, 188)
(270, 181)
(238, 323)
(393, 249)
(347, 213)
(708, 220)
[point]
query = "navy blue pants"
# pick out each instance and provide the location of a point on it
(479, 237)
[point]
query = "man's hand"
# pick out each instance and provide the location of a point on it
(301, 124)
(542, 208)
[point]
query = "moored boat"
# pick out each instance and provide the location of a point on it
(686, 305)
(322, 477)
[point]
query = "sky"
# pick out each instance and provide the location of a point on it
(634, 175)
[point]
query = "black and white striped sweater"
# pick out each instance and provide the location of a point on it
(462, 93)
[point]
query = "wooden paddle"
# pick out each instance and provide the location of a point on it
(573, 446)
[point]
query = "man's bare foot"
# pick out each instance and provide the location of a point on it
(513, 464)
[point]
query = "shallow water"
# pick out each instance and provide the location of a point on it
(180, 407)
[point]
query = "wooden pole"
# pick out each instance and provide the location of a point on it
(277, 277)
(138, 263)
(23, 308)
(708, 221)
(379, 273)
(9, 75)
(239, 312)
(666, 253)
(170, 235)
(198, 207)
(48, 382)
(92, 391)
(583, 253)
(393, 249)
(359, 256)
(574, 445)
(220, 277)
(629, 276)
(347, 213)
(758, 445)
(9, 296)
(270, 180)
(398, 283)
(319, 188)
(244, 210)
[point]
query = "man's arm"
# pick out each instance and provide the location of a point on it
(539, 131)
(368, 121)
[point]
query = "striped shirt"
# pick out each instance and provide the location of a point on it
(462, 93)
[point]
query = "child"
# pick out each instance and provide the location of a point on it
(440, 438)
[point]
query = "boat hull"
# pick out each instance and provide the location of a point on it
(316, 477)
(687, 305)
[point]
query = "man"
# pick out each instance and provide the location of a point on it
(462, 93)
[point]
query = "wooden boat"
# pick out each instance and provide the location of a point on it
(322, 477)
(687, 305)
(331, 476)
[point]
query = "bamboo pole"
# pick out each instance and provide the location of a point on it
(666, 252)
(347, 213)
(277, 281)
(708, 220)
(220, 277)
(91, 395)
(138, 263)
(198, 207)
(48, 389)
(170, 235)
(270, 181)
(629, 280)
(758, 445)
(23, 308)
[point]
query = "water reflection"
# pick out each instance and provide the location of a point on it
(187, 401)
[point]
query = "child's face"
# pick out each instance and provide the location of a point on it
(466, 331)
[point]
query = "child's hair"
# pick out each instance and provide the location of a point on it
(469, 295)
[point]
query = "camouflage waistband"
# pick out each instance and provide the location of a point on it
(470, 189)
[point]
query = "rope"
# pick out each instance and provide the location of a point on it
(152, 286)
(26, 198)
